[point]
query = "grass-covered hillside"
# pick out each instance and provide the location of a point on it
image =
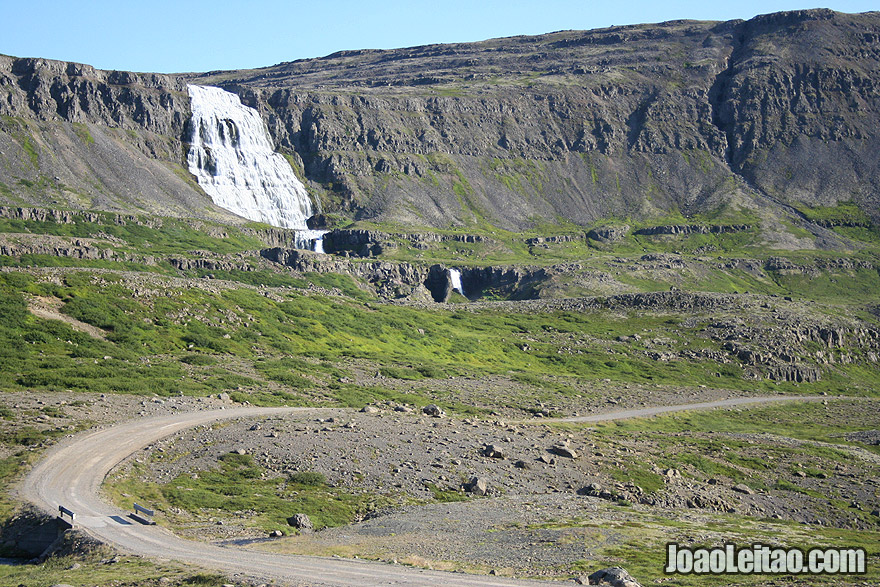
(152, 311)
(111, 304)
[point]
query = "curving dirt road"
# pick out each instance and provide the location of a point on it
(71, 475)
(657, 410)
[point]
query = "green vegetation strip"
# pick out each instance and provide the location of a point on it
(239, 488)
(801, 420)
(105, 568)
(640, 539)
(198, 341)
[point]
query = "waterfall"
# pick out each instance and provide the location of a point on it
(318, 245)
(455, 278)
(233, 159)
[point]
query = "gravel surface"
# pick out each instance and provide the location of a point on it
(538, 519)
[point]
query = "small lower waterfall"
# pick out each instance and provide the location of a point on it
(318, 245)
(312, 240)
(455, 278)
(232, 157)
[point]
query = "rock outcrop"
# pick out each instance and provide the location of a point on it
(271, 237)
(55, 90)
(389, 280)
(686, 229)
(398, 280)
(613, 577)
(76, 137)
(608, 234)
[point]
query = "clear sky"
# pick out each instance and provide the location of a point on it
(196, 35)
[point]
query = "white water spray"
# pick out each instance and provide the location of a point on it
(455, 278)
(232, 157)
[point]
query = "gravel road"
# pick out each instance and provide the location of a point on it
(71, 475)
(657, 410)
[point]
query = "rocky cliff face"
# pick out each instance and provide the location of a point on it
(622, 122)
(798, 106)
(583, 125)
(76, 137)
(626, 121)
(72, 92)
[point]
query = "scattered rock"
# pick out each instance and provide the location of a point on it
(276, 534)
(433, 410)
(370, 410)
(596, 490)
(477, 486)
(743, 488)
(871, 437)
(564, 450)
(522, 465)
(614, 576)
(493, 452)
(300, 521)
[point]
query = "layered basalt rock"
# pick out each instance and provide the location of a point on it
(55, 90)
(618, 122)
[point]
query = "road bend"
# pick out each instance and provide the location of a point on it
(71, 475)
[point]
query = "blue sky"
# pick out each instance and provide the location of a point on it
(179, 36)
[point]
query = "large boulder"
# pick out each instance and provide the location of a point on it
(477, 486)
(300, 522)
(433, 410)
(613, 576)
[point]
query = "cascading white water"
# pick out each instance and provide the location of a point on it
(455, 278)
(232, 157)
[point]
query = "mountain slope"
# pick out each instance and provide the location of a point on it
(727, 120)
(75, 137)
(624, 121)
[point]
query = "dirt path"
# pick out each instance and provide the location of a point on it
(50, 309)
(71, 475)
(657, 410)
